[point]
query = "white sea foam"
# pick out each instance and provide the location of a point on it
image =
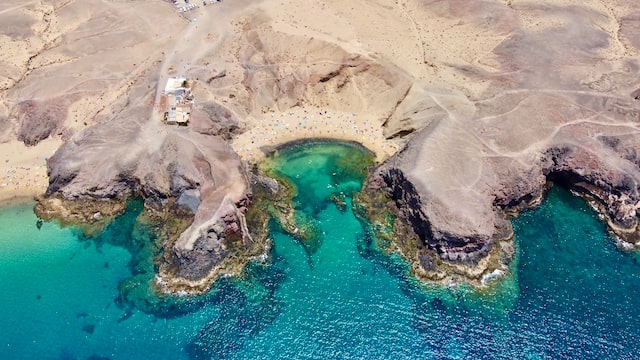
(495, 274)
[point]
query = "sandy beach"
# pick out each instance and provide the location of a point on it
(274, 129)
(494, 83)
(23, 170)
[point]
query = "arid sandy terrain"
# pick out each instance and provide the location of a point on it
(475, 104)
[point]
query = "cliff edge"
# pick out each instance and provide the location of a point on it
(490, 102)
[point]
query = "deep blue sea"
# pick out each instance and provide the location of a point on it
(573, 294)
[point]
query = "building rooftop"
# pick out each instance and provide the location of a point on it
(174, 84)
(176, 101)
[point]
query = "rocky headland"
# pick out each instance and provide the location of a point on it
(490, 103)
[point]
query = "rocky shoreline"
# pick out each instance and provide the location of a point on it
(224, 248)
(488, 106)
(393, 203)
(437, 253)
(431, 256)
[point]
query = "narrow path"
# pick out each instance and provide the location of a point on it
(402, 5)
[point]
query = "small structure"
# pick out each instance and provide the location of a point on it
(184, 5)
(176, 101)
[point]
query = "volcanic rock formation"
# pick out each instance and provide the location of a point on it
(491, 100)
(560, 107)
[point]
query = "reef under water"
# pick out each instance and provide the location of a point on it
(333, 294)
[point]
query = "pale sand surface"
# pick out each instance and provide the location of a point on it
(76, 61)
(23, 170)
(274, 129)
(85, 56)
(477, 91)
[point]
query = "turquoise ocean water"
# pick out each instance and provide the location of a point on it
(573, 294)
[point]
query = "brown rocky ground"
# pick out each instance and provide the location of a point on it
(558, 106)
(490, 99)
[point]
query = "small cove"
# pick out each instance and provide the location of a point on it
(573, 294)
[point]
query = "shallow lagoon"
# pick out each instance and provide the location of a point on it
(573, 294)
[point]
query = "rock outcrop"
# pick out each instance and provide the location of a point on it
(179, 173)
(565, 115)
(193, 184)
(491, 101)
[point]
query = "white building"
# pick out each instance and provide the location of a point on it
(174, 84)
(176, 101)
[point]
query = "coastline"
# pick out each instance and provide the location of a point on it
(18, 199)
(475, 150)
(275, 129)
(23, 170)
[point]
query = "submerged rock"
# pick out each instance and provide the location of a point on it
(485, 124)
(193, 184)
(456, 198)
(545, 116)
